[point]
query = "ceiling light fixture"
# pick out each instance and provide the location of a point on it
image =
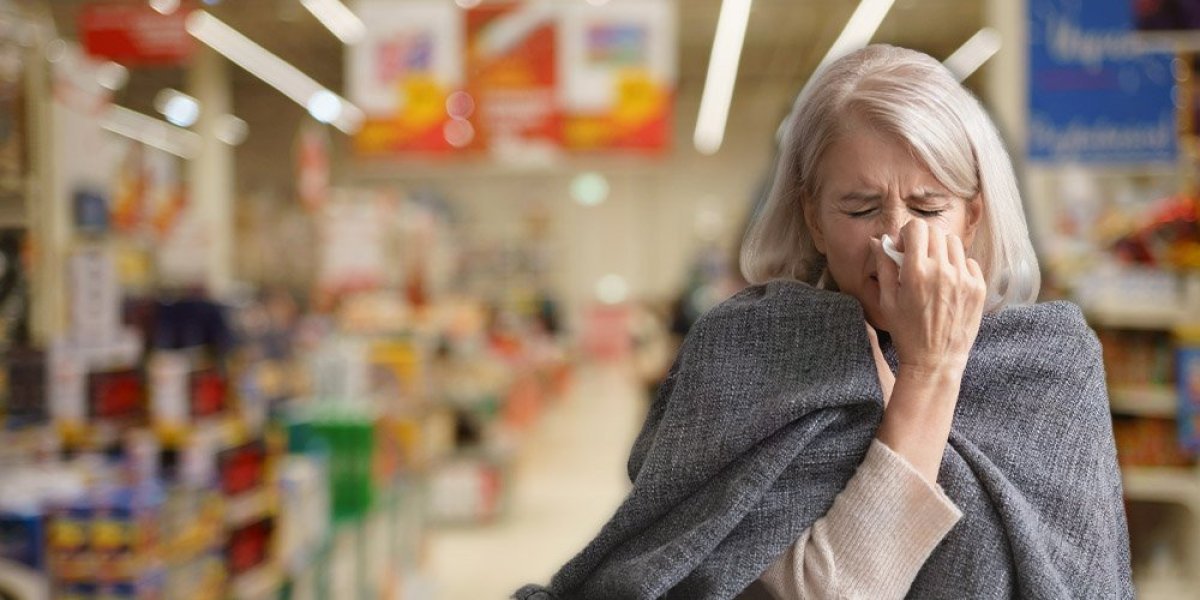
(231, 130)
(338, 19)
(274, 71)
(324, 106)
(973, 53)
(859, 29)
(150, 131)
(112, 76)
(179, 108)
(856, 34)
(164, 7)
(722, 74)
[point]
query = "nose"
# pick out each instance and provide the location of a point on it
(892, 219)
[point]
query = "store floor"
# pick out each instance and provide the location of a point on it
(568, 480)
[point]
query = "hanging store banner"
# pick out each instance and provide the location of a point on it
(1095, 94)
(402, 74)
(515, 78)
(132, 33)
(619, 66)
(511, 66)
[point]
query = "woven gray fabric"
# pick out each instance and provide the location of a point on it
(769, 409)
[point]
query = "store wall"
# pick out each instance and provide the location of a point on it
(651, 225)
(648, 231)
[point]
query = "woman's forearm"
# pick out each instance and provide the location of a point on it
(872, 541)
(916, 422)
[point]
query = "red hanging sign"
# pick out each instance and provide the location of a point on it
(135, 34)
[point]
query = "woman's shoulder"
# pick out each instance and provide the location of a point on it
(1060, 315)
(1057, 326)
(781, 303)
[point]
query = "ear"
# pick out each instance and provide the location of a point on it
(974, 217)
(813, 222)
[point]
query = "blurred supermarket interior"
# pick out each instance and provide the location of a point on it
(367, 299)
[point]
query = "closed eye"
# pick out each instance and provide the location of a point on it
(928, 214)
(860, 213)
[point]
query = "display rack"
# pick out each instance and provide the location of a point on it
(1156, 488)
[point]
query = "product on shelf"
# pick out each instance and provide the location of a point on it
(24, 397)
(1188, 387)
(1149, 442)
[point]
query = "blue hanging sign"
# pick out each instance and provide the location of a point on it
(1095, 95)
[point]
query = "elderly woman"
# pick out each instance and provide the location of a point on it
(871, 422)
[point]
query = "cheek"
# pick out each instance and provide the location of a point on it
(849, 255)
(954, 222)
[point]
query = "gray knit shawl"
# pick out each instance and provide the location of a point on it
(769, 409)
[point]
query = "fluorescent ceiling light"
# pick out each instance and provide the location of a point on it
(856, 34)
(178, 108)
(722, 73)
(325, 106)
(164, 7)
(973, 53)
(338, 19)
(232, 130)
(112, 76)
(151, 131)
(859, 29)
(274, 71)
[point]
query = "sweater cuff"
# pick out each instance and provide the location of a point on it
(875, 538)
(889, 519)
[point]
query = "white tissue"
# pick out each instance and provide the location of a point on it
(889, 248)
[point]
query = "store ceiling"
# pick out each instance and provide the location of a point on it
(784, 42)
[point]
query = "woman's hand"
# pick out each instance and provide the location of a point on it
(934, 303)
(932, 307)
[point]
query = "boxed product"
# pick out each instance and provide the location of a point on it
(1188, 386)
(25, 400)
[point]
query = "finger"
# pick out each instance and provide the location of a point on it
(955, 251)
(974, 269)
(937, 246)
(916, 243)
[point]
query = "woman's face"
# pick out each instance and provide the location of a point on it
(871, 184)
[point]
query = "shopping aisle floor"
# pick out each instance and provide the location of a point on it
(568, 480)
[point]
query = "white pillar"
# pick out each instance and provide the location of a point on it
(211, 172)
(1006, 72)
(1008, 97)
(48, 207)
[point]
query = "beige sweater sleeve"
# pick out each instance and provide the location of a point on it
(874, 539)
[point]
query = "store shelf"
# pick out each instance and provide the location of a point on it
(1162, 484)
(1164, 588)
(1144, 401)
(1139, 316)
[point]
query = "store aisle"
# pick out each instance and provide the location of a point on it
(568, 480)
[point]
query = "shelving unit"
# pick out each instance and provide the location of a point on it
(1163, 484)
(1166, 554)
(1146, 317)
(1145, 401)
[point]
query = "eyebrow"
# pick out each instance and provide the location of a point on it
(868, 196)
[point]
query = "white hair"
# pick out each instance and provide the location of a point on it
(915, 98)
